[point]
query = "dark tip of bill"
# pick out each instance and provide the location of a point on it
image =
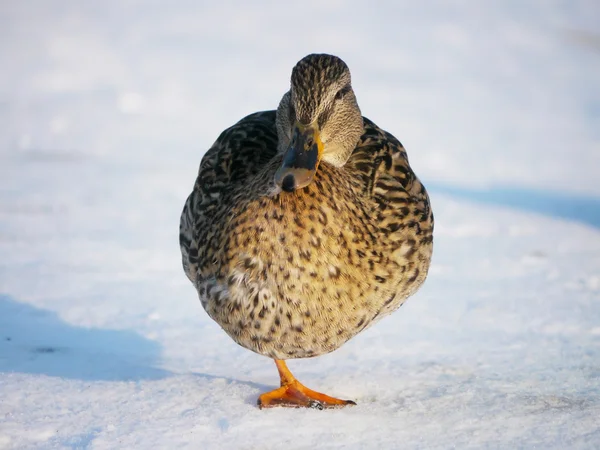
(289, 183)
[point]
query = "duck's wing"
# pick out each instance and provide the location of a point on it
(402, 203)
(238, 154)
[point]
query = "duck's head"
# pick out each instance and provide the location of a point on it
(318, 119)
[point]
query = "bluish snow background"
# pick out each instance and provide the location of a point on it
(105, 111)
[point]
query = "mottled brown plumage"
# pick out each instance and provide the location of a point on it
(297, 274)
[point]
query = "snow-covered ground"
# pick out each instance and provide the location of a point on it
(105, 111)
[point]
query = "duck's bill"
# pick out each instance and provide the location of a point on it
(301, 159)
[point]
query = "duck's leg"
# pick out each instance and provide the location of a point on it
(294, 394)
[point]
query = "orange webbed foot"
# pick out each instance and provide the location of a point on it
(293, 394)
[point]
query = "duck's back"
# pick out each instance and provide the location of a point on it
(237, 155)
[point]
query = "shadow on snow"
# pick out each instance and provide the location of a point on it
(578, 208)
(36, 341)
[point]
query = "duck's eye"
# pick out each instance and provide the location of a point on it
(309, 142)
(340, 94)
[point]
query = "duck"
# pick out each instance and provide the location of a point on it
(305, 226)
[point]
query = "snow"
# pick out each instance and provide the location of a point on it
(105, 111)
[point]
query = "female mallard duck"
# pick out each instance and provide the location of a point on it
(305, 226)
